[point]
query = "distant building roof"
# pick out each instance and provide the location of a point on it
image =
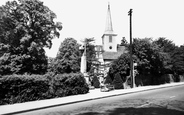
(114, 55)
(111, 55)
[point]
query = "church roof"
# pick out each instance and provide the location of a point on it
(114, 55)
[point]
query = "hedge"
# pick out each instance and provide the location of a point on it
(69, 84)
(23, 88)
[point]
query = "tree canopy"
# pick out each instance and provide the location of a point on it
(149, 55)
(178, 60)
(152, 58)
(168, 47)
(90, 53)
(68, 57)
(26, 27)
(121, 66)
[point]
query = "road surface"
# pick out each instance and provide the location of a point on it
(165, 101)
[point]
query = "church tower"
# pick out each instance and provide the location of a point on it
(108, 39)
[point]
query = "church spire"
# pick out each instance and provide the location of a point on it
(108, 26)
(108, 38)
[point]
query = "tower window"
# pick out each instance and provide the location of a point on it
(110, 38)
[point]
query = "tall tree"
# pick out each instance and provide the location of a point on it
(151, 57)
(169, 48)
(26, 27)
(51, 62)
(121, 66)
(68, 57)
(90, 53)
(167, 45)
(178, 60)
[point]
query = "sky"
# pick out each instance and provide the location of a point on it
(86, 19)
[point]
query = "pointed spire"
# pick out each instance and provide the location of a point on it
(108, 26)
(108, 5)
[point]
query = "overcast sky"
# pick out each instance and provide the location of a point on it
(86, 18)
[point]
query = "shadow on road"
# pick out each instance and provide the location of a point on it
(137, 111)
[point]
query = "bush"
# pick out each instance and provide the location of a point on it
(22, 88)
(118, 82)
(108, 80)
(69, 84)
(95, 82)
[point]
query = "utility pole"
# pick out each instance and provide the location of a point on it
(131, 59)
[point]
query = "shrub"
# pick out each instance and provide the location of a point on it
(95, 82)
(22, 88)
(69, 84)
(118, 82)
(108, 80)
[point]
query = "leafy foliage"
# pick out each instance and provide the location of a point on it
(95, 82)
(178, 60)
(26, 27)
(90, 53)
(121, 66)
(150, 56)
(174, 63)
(153, 60)
(168, 47)
(108, 79)
(51, 62)
(68, 57)
(23, 88)
(69, 84)
(118, 82)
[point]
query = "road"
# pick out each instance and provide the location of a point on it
(165, 101)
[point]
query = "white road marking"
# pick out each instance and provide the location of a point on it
(172, 96)
(143, 105)
(146, 104)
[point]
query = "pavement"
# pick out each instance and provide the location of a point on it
(92, 95)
